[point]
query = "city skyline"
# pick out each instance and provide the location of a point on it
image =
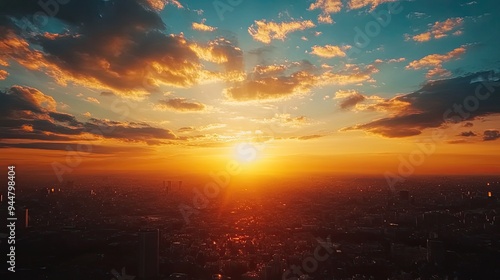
(181, 87)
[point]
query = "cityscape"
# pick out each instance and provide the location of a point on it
(238, 140)
(336, 228)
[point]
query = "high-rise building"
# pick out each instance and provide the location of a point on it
(149, 254)
(26, 218)
(435, 251)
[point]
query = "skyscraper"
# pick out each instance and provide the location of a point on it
(26, 218)
(149, 254)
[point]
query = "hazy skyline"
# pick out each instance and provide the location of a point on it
(184, 86)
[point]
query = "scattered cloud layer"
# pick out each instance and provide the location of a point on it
(27, 113)
(440, 29)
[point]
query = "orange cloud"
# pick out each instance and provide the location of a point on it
(159, 5)
(327, 7)
(3, 74)
(265, 32)
(330, 51)
(435, 62)
(180, 105)
(220, 51)
(203, 27)
(276, 82)
(358, 4)
(29, 114)
(352, 74)
(274, 69)
(272, 87)
(92, 99)
(440, 30)
(108, 66)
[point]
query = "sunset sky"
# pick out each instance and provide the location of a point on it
(341, 86)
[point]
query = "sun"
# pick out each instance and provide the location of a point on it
(246, 152)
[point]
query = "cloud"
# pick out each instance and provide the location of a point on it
(129, 131)
(27, 113)
(3, 74)
(358, 4)
(160, 4)
(87, 114)
(416, 15)
(394, 60)
(220, 51)
(104, 49)
(180, 105)
(309, 137)
(349, 98)
(271, 87)
(186, 129)
(203, 27)
(327, 7)
(491, 135)
(265, 31)
(274, 83)
(329, 51)
(434, 105)
(64, 146)
(272, 70)
(351, 74)
(467, 134)
(435, 62)
(440, 29)
(92, 100)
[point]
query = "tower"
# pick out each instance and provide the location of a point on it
(149, 254)
(26, 218)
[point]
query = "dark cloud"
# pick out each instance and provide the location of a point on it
(122, 46)
(438, 102)
(467, 134)
(491, 135)
(27, 113)
(60, 146)
(186, 129)
(180, 104)
(351, 101)
(468, 124)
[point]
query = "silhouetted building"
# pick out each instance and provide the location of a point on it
(26, 218)
(435, 251)
(149, 254)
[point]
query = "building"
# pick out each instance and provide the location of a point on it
(149, 241)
